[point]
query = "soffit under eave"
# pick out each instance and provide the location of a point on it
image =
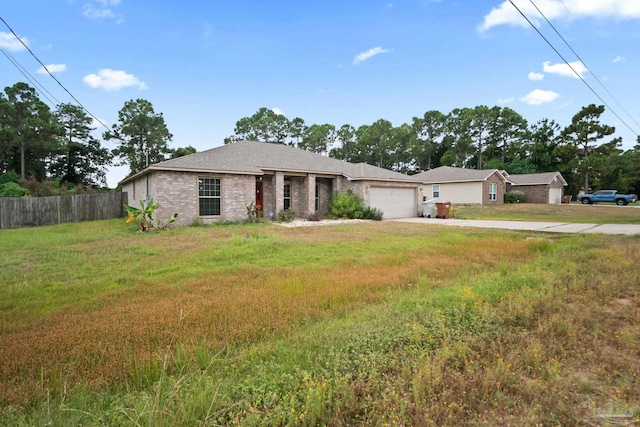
(205, 170)
(301, 172)
(395, 181)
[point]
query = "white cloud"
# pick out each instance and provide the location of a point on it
(109, 79)
(566, 70)
(539, 97)
(506, 14)
(506, 100)
(535, 76)
(277, 111)
(53, 68)
(10, 42)
(619, 59)
(369, 54)
(102, 9)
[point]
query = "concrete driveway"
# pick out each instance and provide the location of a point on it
(547, 227)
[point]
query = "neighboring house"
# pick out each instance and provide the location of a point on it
(218, 184)
(460, 185)
(547, 187)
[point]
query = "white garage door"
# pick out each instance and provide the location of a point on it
(555, 196)
(394, 202)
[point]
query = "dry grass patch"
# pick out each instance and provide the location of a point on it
(212, 286)
(368, 324)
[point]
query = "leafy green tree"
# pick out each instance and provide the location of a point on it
(264, 126)
(507, 135)
(401, 138)
(481, 120)
(346, 137)
(460, 143)
(81, 159)
(542, 140)
(581, 137)
(602, 166)
(634, 173)
(374, 143)
(318, 138)
(142, 135)
(429, 131)
(28, 132)
(182, 151)
(297, 131)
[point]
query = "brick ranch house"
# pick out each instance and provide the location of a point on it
(218, 184)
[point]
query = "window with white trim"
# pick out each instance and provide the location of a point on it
(209, 199)
(287, 196)
(436, 190)
(493, 192)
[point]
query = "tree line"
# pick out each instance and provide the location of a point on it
(38, 145)
(44, 151)
(480, 138)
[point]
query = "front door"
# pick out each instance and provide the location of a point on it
(259, 196)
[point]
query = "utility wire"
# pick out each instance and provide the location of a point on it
(29, 77)
(52, 76)
(589, 68)
(572, 69)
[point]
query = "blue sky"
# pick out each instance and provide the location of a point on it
(206, 64)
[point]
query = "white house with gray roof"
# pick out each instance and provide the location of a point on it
(487, 186)
(218, 184)
(460, 185)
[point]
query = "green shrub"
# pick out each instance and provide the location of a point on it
(13, 189)
(372, 213)
(9, 176)
(347, 205)
(286, 215)
(515, 196)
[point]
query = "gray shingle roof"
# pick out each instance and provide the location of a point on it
(251, 157)
(444, 174)
(535, 178)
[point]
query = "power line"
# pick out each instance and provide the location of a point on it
(29, 77)
(572, 69)
(52, 76)
(589, 68)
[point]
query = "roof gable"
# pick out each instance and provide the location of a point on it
(544, 178)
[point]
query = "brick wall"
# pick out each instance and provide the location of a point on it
(178, 192)
(325, 192)
(493, 179)
(538, 193)
(534, 193)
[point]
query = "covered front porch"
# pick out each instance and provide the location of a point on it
(304, 193)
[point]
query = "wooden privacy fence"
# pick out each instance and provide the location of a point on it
(16, 212)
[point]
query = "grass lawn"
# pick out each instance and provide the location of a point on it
(374, 323)
(574, 212)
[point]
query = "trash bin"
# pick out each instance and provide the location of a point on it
(428, 208)
(566, 199)
(443, 209)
